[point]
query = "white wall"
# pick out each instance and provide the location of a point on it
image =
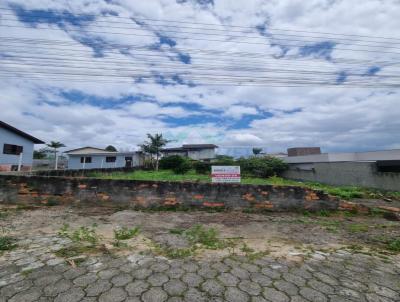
(345, 157)
(8, 137)
(74, 161)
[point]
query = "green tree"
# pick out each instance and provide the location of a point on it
(111, 148)
(257, 151)
(55, 145)
(153, 146)
(40, 154)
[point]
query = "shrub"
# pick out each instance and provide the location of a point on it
(202, 167)
(262, 167)
(224, 160)
(184, 167)
(170, 162)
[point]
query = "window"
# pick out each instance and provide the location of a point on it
(86, 159)
(12, 149)
(111, 159)
(388, 166)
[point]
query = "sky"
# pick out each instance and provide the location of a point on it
(134, 72)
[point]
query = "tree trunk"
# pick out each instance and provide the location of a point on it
(157, 161)
(55, 159)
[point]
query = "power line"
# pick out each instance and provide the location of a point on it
(247, 55)
(228, 33)
(199, 39)
(230, 25)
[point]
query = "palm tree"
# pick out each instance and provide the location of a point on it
(55, 146)
(257, 151)
(154, 145)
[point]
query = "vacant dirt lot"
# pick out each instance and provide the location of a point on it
(174, 256)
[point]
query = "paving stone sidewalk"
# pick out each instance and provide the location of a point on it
(33, 273)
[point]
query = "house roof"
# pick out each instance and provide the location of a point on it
(191, 147)
(199, 146)
(20, 133)
(86, 150)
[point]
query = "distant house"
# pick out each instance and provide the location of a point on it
(17, 148)
(194, 151)
(96, 158)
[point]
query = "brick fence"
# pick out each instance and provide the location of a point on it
(131, 193)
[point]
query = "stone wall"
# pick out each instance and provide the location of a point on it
(130, 193)
(363, 174)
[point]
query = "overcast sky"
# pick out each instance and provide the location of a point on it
(116, 36)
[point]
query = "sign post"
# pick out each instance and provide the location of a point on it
(225, 174)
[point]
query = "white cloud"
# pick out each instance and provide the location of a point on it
(334, 118)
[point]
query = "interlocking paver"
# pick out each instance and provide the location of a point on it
(137, 287)
(336, 277)
(233, 294)
(175, 287)
(155, 294)
(113, 295)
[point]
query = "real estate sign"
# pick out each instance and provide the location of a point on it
(225, 174)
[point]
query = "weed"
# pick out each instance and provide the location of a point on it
(198, 234)
(64, 230)
(85, 234)
(81, 234)
(7, 243)
(324, 213)
(26, 272)
(76, 250)
(394, 245)
(377, 212)
(125, 233)
(178, 253)
(119, 244)
(177, 231)
(51, 202)
(4, 215)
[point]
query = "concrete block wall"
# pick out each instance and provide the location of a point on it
(130, 193)
(363, 174)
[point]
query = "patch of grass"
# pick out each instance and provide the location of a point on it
(394, 245)
(358, 228)
(7, 243)
(125, 233)
(344, 192)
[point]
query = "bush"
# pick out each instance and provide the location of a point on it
(171, 162)
(262, 166)
(184, 167)
(202, 167)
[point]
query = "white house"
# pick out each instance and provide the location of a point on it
(96, 158)
(194, 151)
(16, 151)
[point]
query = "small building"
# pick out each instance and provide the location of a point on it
(17, 148)
(193, 151)
(96, 158)
(301, 151)
(372, 169)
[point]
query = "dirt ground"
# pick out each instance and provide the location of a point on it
(287, 235)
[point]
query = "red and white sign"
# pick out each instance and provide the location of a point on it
(226, 174)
